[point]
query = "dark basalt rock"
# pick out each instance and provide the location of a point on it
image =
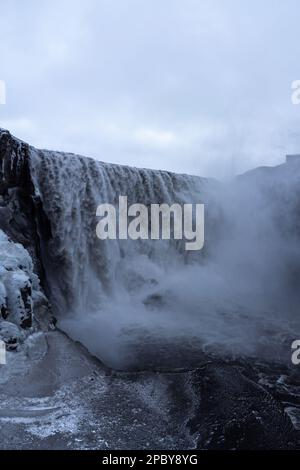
(21, 213)
(234, 412)
(10, 334)
(4, 312)
(22, 219)
(26, 320)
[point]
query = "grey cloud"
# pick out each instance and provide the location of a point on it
(196, 86)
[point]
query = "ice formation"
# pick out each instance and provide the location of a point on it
(20, 293)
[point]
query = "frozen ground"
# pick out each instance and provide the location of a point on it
(64, 399)
(54, 395)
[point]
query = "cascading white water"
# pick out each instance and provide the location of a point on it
(118, 296)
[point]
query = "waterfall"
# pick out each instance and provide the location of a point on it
(121, 298)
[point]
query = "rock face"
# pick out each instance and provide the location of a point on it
(234, 412)
(20, 207)
(22, 300)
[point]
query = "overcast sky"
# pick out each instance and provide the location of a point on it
(195, 86)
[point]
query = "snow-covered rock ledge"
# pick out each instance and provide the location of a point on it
(24, 309)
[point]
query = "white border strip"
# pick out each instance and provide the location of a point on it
(2, 92)
(2, 353)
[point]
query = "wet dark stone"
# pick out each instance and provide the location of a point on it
(234, 412)
(26, 320)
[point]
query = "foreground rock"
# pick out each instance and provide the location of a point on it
(65, 399)
(234, 412)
